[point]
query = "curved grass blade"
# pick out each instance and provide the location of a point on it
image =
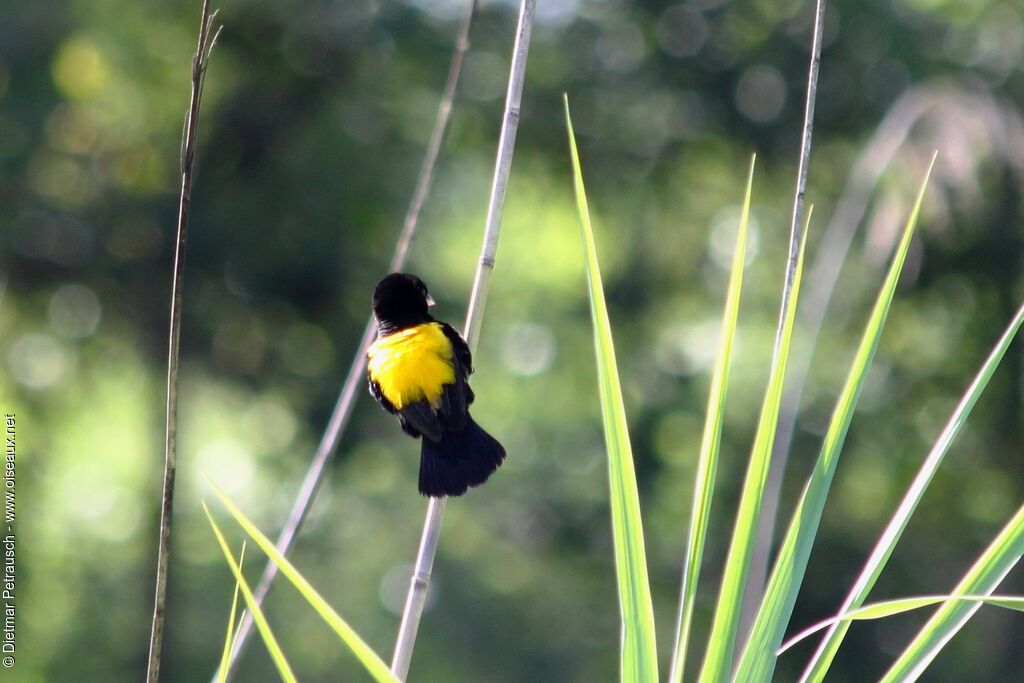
(822, 659)
(758, 660)
(888, 608)
(225, 658)
(722, 641)
(373, 663)
(639, 653)
(707, 463)
(257, 614)
(981, 579)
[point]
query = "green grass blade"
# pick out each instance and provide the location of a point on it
(707, 463)
(880, 610)
(722, 641)
(981, 579)
(758, 660)
(222, 672)
(373, 663)
(257, 614)
(1014, 602)
(822, 659)
(639, 652)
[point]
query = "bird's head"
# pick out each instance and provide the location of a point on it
(401, 300)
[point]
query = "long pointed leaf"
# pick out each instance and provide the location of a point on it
(639, 649)
(257, 614)
(822, 659)
(722, 641)
(758, 660)
(225, 658)
(981, 579)
(888, 608)
(707, 463)
(363, 652)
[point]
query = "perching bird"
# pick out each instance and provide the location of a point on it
(418, 369)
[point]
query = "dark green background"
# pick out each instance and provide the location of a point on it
(315, 120)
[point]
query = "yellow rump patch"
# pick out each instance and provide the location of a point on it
(412, 365)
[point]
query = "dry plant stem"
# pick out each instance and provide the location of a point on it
(892, 132)
(354, 381)
(207, 40)
(766, 521)
(821, 282)
(435, 511)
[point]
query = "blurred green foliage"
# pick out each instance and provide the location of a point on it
(315, 120)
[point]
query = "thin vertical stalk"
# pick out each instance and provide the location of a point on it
(207, 40)
(758, 659)
(502, 166)
(770, 502)
(355, 379)
(420, 583)
(831, 252)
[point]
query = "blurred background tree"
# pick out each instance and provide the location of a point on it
(314, 124)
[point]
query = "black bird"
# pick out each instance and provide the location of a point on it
(418, 370)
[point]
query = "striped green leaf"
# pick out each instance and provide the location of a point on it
(758, 660)
(639, 663)
(822, 659)
(707, 463)
(981, 579)
(888, 608)
(373, 663)
(722, 641)
(257, 614)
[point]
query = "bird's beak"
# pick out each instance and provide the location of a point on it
(430, 301)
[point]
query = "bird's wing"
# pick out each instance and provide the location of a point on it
(421, 418)
(456, 398)
(459, 348)
(387, 405)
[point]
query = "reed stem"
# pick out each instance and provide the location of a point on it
(207, 41)
(420, 583)
(777, 467)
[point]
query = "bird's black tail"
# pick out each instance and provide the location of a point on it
(459, 460)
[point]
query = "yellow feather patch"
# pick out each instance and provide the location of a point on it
(412, 365)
